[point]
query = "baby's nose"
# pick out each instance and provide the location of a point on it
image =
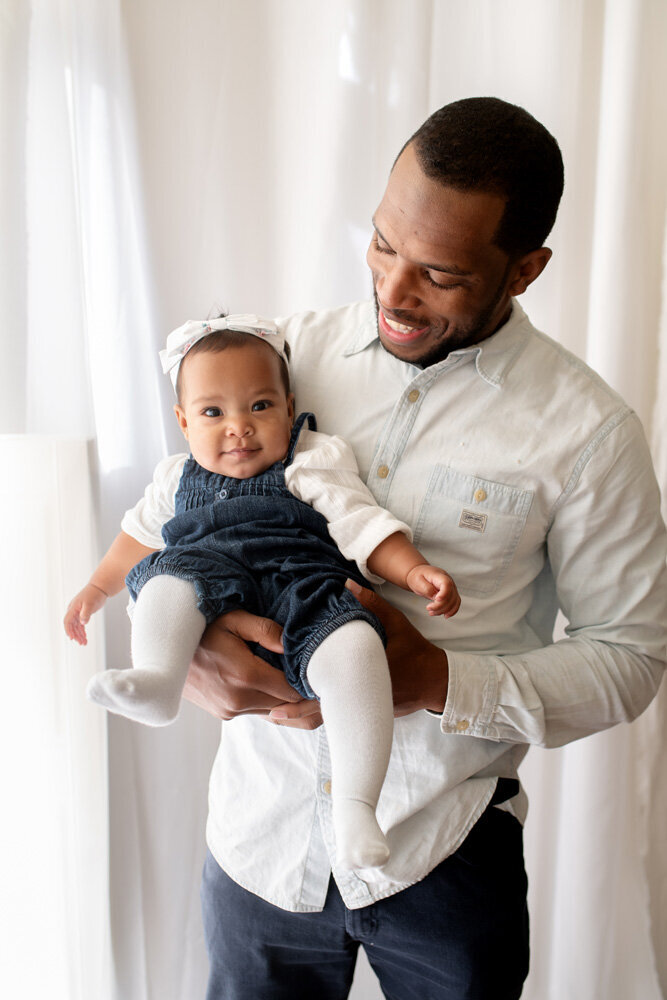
(239, 427)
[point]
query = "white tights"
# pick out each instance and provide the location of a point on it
(348, 672)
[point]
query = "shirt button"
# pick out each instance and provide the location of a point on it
(480, 495)
(413, 396)
(383, 471)
(326, 787)
(462, 725)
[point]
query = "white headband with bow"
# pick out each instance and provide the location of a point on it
(181, 340)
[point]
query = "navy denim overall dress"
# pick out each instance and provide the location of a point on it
(249, 543)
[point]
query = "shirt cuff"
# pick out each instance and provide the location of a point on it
(472, 694)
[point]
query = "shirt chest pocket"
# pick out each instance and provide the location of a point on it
(471, 527)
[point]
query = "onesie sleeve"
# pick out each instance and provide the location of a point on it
(144, 521)
(324, 474)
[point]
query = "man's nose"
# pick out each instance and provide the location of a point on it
(396, 286)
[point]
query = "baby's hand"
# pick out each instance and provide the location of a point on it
(429, 581)
(80, 608)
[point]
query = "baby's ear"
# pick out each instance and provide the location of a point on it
(290, 406)
(182, 420)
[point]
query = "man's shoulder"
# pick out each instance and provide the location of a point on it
(312, 331)
(548, 371)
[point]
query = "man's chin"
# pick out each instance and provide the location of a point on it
(422, 352)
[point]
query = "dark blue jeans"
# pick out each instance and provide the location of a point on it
(459, 934)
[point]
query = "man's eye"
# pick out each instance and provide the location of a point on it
(212, 411)
(439, 284)
(261, 404)
(381, 248)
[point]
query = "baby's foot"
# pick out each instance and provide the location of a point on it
(360, 843)
(142, 695)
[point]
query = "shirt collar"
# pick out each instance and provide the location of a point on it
(364, 333)
(494, 357)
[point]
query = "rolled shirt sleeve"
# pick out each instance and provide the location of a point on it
(606, 549)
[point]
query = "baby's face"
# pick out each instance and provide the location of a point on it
(234, 411)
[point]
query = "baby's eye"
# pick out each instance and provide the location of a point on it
(212, 411)
(261, 404)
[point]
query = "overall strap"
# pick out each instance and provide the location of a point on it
(296, 431)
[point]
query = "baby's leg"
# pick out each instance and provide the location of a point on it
(166, 628)
(350, 676)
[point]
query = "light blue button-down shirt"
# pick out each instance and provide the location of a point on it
(529, 480)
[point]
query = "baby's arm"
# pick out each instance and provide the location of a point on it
(398, 561)
(107, 580)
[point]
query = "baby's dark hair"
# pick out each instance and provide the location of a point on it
(219, 341)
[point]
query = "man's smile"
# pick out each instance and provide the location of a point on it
(399, 333)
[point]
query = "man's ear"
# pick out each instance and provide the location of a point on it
(527, 268)
(182, 420)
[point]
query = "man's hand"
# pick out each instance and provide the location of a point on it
(227, 680)
(419, 671)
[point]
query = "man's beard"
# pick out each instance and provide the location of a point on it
(458, 337)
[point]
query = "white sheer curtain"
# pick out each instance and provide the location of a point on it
(164, 158)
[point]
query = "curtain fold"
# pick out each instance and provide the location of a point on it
(166, 159)
(54, 918)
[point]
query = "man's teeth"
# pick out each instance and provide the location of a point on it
(398, 327)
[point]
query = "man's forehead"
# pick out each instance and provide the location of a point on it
(420, 216)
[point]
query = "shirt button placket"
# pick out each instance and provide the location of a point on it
(400, 427)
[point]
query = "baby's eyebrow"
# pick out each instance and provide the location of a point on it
(254, 393)
(205, 399)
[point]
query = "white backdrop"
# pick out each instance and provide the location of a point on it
(163, 158)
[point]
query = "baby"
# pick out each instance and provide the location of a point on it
(265, 514)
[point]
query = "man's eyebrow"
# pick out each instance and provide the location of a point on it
(449, 269)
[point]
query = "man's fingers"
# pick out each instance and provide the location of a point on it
(228, 680)
(299, 715)
(270, 681)
(254, 628)
(373, 602)
(418, 669)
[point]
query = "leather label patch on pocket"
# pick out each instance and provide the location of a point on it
(474, 521)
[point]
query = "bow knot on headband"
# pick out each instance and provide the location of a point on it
(182, 339)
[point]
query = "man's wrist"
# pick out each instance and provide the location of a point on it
(437, 693)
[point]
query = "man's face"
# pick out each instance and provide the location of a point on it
(439, 280)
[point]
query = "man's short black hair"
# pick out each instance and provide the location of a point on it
(485, 144)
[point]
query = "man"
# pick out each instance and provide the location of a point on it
(529, 480)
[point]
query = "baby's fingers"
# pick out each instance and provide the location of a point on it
(446, 602)
(453, 605)
(75, 628)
